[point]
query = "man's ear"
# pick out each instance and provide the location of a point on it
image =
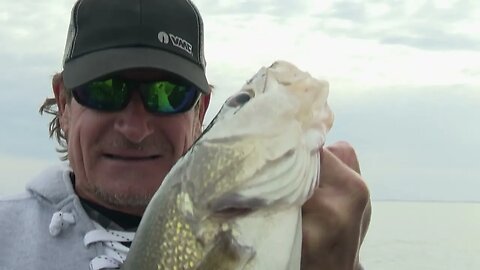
(204, 106)
(202, 110)
(61, 100)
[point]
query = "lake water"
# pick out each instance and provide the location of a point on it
(423, 236)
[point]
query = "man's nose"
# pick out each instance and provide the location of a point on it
(134, 122)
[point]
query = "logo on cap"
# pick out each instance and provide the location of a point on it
(167, 38)
(163, 37)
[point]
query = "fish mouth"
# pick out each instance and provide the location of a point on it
(131, 157)
(232, 212)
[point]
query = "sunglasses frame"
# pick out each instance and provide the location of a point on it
(133, 85)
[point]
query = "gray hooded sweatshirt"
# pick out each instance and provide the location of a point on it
(46, 227)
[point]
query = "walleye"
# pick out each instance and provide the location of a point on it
(233, 201)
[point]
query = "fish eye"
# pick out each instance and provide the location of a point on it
(238, 100)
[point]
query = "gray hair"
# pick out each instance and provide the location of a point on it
(49, 106)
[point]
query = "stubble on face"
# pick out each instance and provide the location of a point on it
(122, 201)
(125, 199)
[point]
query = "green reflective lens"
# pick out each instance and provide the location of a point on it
(168, 97)
(156, 96)
(108, 94)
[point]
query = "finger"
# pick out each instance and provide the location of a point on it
(367, 215)
(340, 187)
(333, 170)
(345, 152)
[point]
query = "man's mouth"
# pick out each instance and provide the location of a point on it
(131, 158)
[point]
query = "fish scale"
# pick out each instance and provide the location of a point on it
(235, 197)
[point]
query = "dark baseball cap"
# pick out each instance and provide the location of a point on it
(106, 36)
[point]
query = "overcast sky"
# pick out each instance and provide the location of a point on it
(404, 79)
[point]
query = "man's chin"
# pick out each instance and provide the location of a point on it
(124, 201)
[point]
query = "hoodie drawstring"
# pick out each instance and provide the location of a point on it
(60, 220)
(111, 240)
(115, 251)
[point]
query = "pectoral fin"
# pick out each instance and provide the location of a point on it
(226, 254)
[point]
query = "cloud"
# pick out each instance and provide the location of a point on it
(404, 78)
(33, 25)
(429, 25)
(251, 7)
(356, 45)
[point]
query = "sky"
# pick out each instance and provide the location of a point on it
(404, 82)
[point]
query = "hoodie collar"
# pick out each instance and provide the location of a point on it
(53, 185)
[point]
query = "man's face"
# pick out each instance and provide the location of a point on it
(120, 158)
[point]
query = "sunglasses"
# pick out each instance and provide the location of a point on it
(163, 97)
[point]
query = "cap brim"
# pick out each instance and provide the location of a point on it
(97, 64)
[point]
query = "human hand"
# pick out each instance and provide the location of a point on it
(336, 218)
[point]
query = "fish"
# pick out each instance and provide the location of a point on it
(233, 201)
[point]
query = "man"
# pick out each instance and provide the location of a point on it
(131, 100)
